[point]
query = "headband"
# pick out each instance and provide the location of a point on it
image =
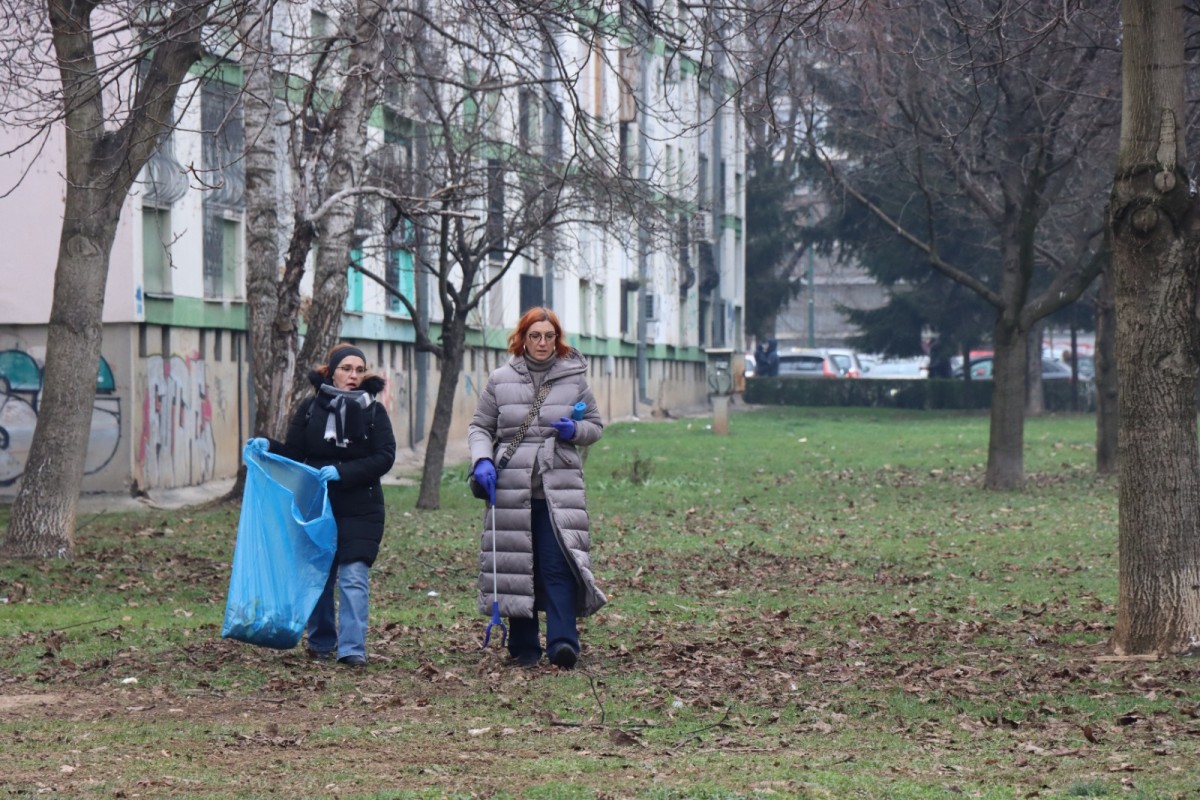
(339, 354)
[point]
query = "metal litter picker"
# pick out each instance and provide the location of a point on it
(495, 621)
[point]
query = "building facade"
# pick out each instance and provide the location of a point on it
(173, 396)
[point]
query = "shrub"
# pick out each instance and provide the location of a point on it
(914, 393)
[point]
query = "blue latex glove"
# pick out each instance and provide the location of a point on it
(259, 445)
(329, 473)
(565, 428)
(485, 476)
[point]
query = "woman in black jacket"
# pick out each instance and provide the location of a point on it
(346, 434)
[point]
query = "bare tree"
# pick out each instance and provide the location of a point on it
(320, 128)
(1155, 232)
(512, 164)
(273, 295)
(120, 69)
(1000, 104)
(337, 174)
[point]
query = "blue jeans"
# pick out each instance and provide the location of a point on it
(347, 631)
(554, 591)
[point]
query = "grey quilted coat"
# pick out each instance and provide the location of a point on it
(502, 407)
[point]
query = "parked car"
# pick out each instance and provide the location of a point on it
(806, 362)
(901, 368)
(981, 370)
(846, 362)
(1087, 367)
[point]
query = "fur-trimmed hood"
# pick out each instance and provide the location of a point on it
(371, 384)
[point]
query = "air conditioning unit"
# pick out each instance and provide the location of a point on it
(702, 227)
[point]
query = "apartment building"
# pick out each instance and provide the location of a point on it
(173, 397)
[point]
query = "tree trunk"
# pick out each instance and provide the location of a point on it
(263, 292)
(1035, 397)
(1152, 220)
(43, 515)
(329, 284)
(347, 154)
(1006, 438)
(451, 363)
(101, 166)
(1105, 380)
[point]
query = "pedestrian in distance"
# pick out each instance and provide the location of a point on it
(526, 463)
(769, 366)
(344, 432)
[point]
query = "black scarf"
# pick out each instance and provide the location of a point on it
(344, 423)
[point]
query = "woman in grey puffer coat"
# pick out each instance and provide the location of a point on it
(536, 492)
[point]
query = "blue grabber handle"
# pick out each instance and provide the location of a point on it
(578, 411)
(496, 623)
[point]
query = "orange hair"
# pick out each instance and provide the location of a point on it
(516, 339)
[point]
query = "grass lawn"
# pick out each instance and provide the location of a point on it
(823, 604)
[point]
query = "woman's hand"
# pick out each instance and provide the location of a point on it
(485, 476)
(565, 428)
(329, 473)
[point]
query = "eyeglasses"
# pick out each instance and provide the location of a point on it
(352, 368)
(537, 337)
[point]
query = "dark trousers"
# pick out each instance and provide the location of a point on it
(554, 587)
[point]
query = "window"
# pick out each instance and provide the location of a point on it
(222, 255)
(400, 277)
(495, 217)
(470, 106)
(623, 147)
(598, 297)
(222, 151)
(720, 198)
(156, 250)
(552, 125)
(322, 30)
(628, 303)
(231, 255)
(650, 306)
(354, 282)
(494, 299)
(531, 292)
(585, 300)
(526, 119)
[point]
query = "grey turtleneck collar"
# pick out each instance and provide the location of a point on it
(539, 369)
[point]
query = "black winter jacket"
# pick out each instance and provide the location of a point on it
(356, 499)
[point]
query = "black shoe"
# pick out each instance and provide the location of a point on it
(564, 657)
(358, 662)
(528, 660)
(320, 655)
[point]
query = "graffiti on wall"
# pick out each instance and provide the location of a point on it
(178, 447)
(20, 395)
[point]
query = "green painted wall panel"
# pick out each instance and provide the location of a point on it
(192, 312)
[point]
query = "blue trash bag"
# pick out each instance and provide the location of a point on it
(286, 542)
